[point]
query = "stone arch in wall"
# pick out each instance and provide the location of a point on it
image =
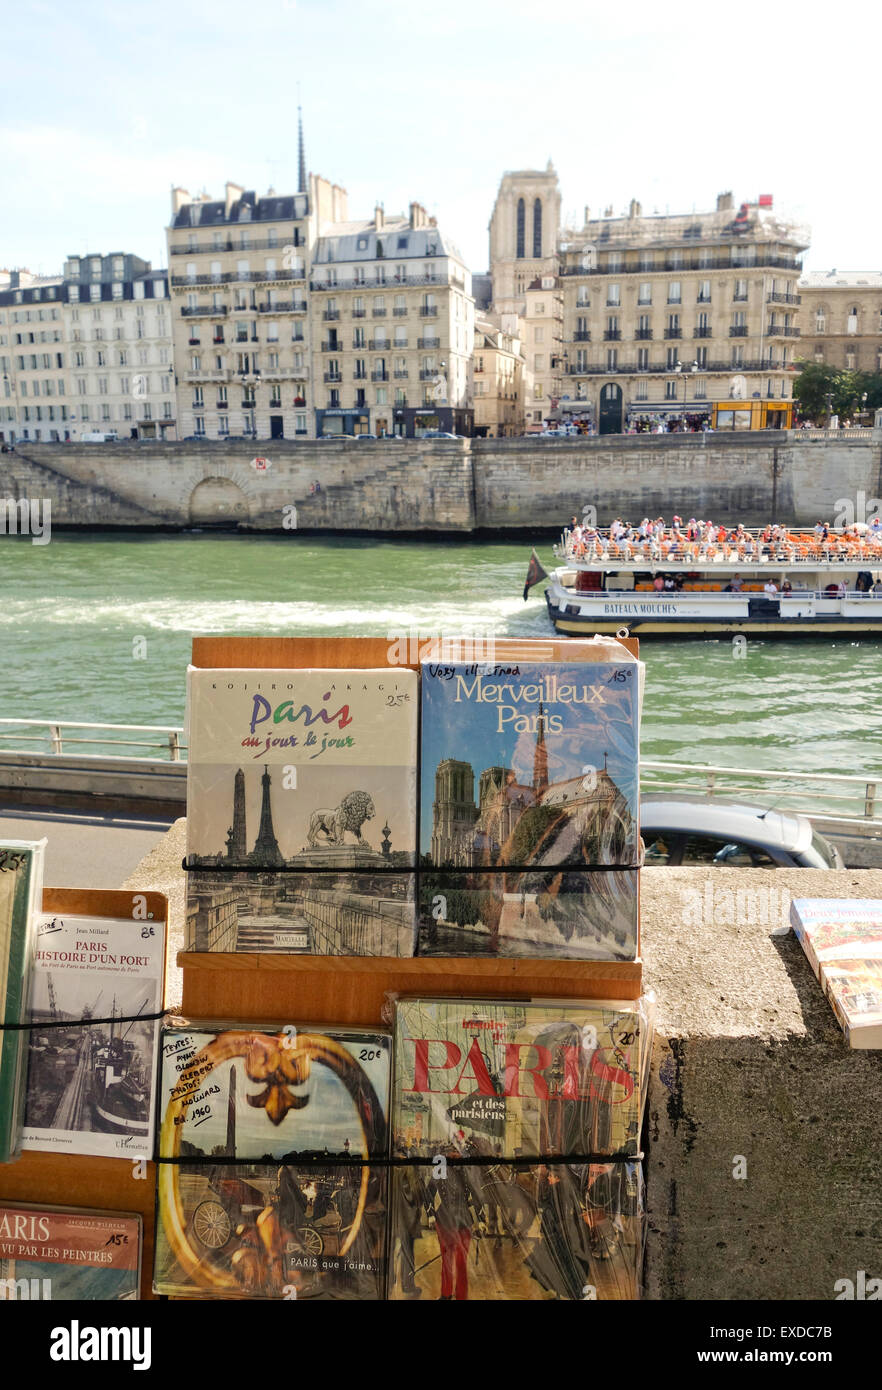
(217, 502)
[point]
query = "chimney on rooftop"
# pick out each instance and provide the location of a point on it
(379, 217)
(724, 202)
(418, 215)
(232, 193)
(635, 209)
(180, 196)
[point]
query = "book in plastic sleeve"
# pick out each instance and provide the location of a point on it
(522, 1123)
(529, 834)
(69, 1253)
(263, 1191)
(301, 811)
(96, 990)
(21, 890)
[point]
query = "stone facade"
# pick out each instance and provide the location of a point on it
(841, 316)
(524, 230)
(688, 315)
(498, 367)
(87, 351)
(392, 318)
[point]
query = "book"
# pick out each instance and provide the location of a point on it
(842, 940)
(69, 1253)
(572, 914)
(301, 810)
(508, 1110)
(96, 987)
(21, 889)
(263, 1191)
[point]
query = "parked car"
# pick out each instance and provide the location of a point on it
(440, 434)
(99, 437)
(693, 830)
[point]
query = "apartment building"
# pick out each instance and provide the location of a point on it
(119, 347)
(34, 397)
(239, 270)
(542, 328)
(683, 317)
(89, 350)
(841, 316)
(498, 366)
(392, 328)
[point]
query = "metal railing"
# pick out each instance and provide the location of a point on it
(164, 742)
(820, 795)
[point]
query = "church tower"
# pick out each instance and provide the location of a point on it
(524, 231)
(266, 853)
(453, 811)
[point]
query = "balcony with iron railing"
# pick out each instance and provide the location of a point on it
(642, 334)
(433, 342)
(428, 311)
(284, 306)
(401, 374)
(775, 297)
(702, 299)
(428, 373)
(582, 335)
(333, 376)
(612, 335)
(702, 332)
(673, 333)
(660, 368)
(779, 330)
(329, 315)
(738, 330)
(331, 345)
(359, 313)
(378, 313)
(399, 313)
(197, 311)
(379, 375)
(379, 345)
(689, 263)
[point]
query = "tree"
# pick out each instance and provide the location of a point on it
(811, 387)
(818, 380)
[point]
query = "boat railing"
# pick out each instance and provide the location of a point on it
(795, 549)
(164, 743)
(820, 795)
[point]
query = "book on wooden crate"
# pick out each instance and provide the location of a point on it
(842, 939)
(21, 889)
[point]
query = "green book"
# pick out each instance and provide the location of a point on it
(21, 891)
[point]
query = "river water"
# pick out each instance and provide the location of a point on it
(98, 628)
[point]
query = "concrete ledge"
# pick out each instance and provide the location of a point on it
(749, 1063)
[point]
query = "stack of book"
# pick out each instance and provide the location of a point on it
(842, 938)
(21, 889)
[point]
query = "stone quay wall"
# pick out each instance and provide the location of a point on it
(458, 486)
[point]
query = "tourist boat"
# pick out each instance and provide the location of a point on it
(604, 584)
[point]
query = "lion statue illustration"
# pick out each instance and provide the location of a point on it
(351, 814)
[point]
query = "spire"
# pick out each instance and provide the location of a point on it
(301, 156)
(266, 853)
(540, 757)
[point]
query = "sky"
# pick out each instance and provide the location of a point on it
(105, 106)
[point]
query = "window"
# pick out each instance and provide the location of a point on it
(674, 291)
(671, 358)
(613, 294)
(81, 386)
(117, 290)
(382, 395)
(199, 424)
(700, 389)
(126, 411)
(644, 294)
(138, 289)
(124, 385)
(520, 236)
(95, 293)
(737, 355)
(198, 397)
(195, 362)
(642, 359)
(701, 358)
(537, 227)
(539, 362)
(538, 335)
(243, 270)
(704, 292)
(642, 392)
(851, 323)
(670, 390)
(612, 359)
(223, 424)
(675, 260)
(850, 359)
(221, 396)
(358, 275)
(673, 325)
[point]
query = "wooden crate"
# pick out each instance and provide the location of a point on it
(81, 1180)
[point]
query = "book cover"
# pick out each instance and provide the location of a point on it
(527, 764)
(92, 1053)
(305, 780)
(21, 888)
(528, 1091)
(831, 928)
(67, 1253)
(296, 1214)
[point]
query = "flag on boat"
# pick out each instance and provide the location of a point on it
(535, 573)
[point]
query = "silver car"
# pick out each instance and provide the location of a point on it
(690, 830)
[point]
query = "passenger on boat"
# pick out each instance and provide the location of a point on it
(658, 584)
(877, 589)
(786, 587)
(770, 588)
(736, 586)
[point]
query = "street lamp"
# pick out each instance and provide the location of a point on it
(682, 371)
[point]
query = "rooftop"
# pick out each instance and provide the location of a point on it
(841, 279)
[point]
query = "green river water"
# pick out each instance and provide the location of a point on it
(72, 612)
